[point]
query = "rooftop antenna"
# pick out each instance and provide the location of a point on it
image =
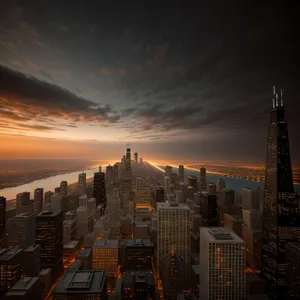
(274, 93)
(281, 97)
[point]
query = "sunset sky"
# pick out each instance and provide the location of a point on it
(82, 78)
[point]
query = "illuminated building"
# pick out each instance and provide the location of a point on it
(24, 204)
(192, 181)
(281, 216)
(49, 234)
(21, 230)
(136, 157)
(221, 185)
(234, 223)
(138, 285)
(202, 180)
(85, 256)
(208, 209)
(27, 288)
(138, 254)
(105, 256)
(168, 171)
(82, 184)
(109, 174)
(70, 251)
(83, 285)
(2, 216)
(172, 278)
(99, 188)
(293, 270)
(38, 200)
(222, 264)
(181, 173)
(174, 231)
(142, 192)
(64, 189)
(167, 183)
(10, 268)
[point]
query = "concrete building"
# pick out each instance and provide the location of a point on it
(31, 261)
(212, 188)
(83, 285)
(64, 189)
(234, 223)
(168, 171)
(2, 216)
(69, 230)
(23, 203)
(227, 197)
(179, 196)
(208, 209)
(99, 188)
(27, 288)
(167, 186)
(21, 230)
(222, 264)
(57, 202)
(159, 194)
(82, 184)
(192, 181)
(81, 221)
(49, 234)
(221, 185)
(142, 192)
(181, 173)
(173, 232)
(70, 251)
(109, 176)
(202, 180)
(47, 200)
(83, 200)
(38, 200)
(85, 256)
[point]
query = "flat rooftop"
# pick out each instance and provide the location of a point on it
(71, 245)
(84, 252)
(25, 283)
(139, 243)
(171, 205)
(49, 214)
(106, 243)
(8, 254)
(146, 277)
(220, 235)
(85, 282)
(32, 248)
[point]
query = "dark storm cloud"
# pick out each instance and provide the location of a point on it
(28, 99)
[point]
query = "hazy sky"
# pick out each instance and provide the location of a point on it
(191, 80)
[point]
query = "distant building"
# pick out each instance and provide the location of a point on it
(293, 270)
(221, 184)
(167, 188)
(2, 216)
(168, 170)
(27, 288)
(136, 157)
(222, 264)
(85, 256)
(208, 209)
(24, 204)
(64, 189)
(192, 181)
(82, 184)
(38, 200)
(228, 197)
(99, 188)
(234, 223)
(202, 180)
(138, 285)
(21, 230)
(181, 173)
(142, 192)
(159, 194)
(56, 202)
(212, 188)
(49, 234)
(109, 174)
(84, 285)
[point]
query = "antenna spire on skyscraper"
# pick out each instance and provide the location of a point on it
(274, 95)
(281, 97)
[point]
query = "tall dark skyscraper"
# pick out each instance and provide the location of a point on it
(99, 188)
(2, 216)
(281, 218)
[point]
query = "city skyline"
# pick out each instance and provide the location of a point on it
(98, 80)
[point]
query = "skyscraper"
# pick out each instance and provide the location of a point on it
(136, 157)
(181, 173)
(281, 218)
(202, 183)
(38, 200)
(24, 204)
(99, 188)
(109, 174)
(142, 192)
(192, 181)
(2, 216)
(168, 170)
(82, 184)
(64, 189)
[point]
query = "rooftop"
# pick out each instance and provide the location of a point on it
(25, 283)
(294, 246)
(171, 205)
(220, 234)
(32, 248)
(84, 252)
(140, 277)
(8, 254)
(71, 245)
(89, 281)
(47, 214)
(139, 243)
(106, 243)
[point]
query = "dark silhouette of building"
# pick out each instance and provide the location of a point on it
(138, 285)
(99, 188)
(159, 194)
(192, 181)
(49, 234)
(293, 270)
(2, 216)
(136, 157)
(281, 218)
(208, 209)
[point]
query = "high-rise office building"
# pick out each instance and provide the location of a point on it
(208, 209)
(167, 188)
(21, 230)
(56, 202)
(181, 173)
(192, 181)
(109, 174)
(222, 264)
(47, 200)
(116, 171)
(142, 192)
(64, 189)
(159, 194)
(49, 234)
(82, 184)
(136, 157)
(221, 184)
(247, 199)
(99, 189)
(227, 196)
(174, 232)
(212, 188)
(168, 170)
(2, 216)
(24, 204)
(128, 159)
(38, 200)
(202, 180)
(281, 216)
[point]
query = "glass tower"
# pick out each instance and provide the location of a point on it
(281, 218)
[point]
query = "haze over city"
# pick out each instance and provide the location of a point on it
(177, 82)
